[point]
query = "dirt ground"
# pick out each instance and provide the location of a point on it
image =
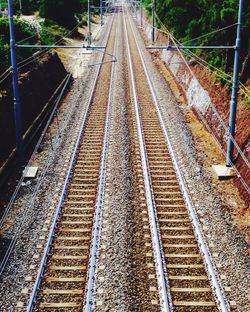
(75, 60)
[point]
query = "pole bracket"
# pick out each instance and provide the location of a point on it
(170, 47)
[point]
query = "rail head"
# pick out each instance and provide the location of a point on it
(216, 285)
(41, 271)
(97, 227)
(162, 280)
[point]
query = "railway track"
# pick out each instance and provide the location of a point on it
(173, 239)
(63, 274)
(186, 278)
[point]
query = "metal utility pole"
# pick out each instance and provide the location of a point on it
(135, 9)
(153, 22)
(89, 24)
(141, 12)
(101, 11)
(233, 102)
(16, 97)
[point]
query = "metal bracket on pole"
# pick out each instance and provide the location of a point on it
(175, 47)
(106, 62)
(88, 47)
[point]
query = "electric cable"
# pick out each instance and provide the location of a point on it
(218, 71)
(215, 111)
(41, 53)
(5, 77)
(210, 33)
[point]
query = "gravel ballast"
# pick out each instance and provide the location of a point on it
(122, 280)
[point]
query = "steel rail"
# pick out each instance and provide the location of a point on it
(53, 228)
(216, 286)
(31, 203)
(161, 273)
(97, 228)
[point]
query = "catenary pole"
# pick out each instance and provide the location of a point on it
(141, 12)
(235, 88)
(101, 7)
(16, 96)
(135, 9)
(153, 22)
(89, 24)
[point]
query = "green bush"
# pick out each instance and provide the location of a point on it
(51, 32)
(22, 30)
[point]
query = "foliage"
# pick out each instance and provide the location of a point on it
(60, 16)
(65, 12)
(22, 30)
(51, 32)
(194, 18)
(28, 6)
(61, 11)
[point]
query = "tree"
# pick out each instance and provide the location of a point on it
(28, 6)
(61, 11)
(22, 30)
(193, 18)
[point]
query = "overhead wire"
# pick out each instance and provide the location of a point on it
(41, 53)
(217, 114)
(210, 33)
(176, 43)
(220, 73)
(4, 77)
(217, 71)
(28, 38)
(5, 72)
(36, 55)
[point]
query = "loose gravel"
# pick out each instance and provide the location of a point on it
(122, 283)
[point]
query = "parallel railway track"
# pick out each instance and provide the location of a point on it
(185, 276)
(63, 274)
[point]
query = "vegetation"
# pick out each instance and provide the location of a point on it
(22, 30)
(27, 6)
(51, 32)
(194, 18)
(60, 17)
(62, 12)
(186, 20)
